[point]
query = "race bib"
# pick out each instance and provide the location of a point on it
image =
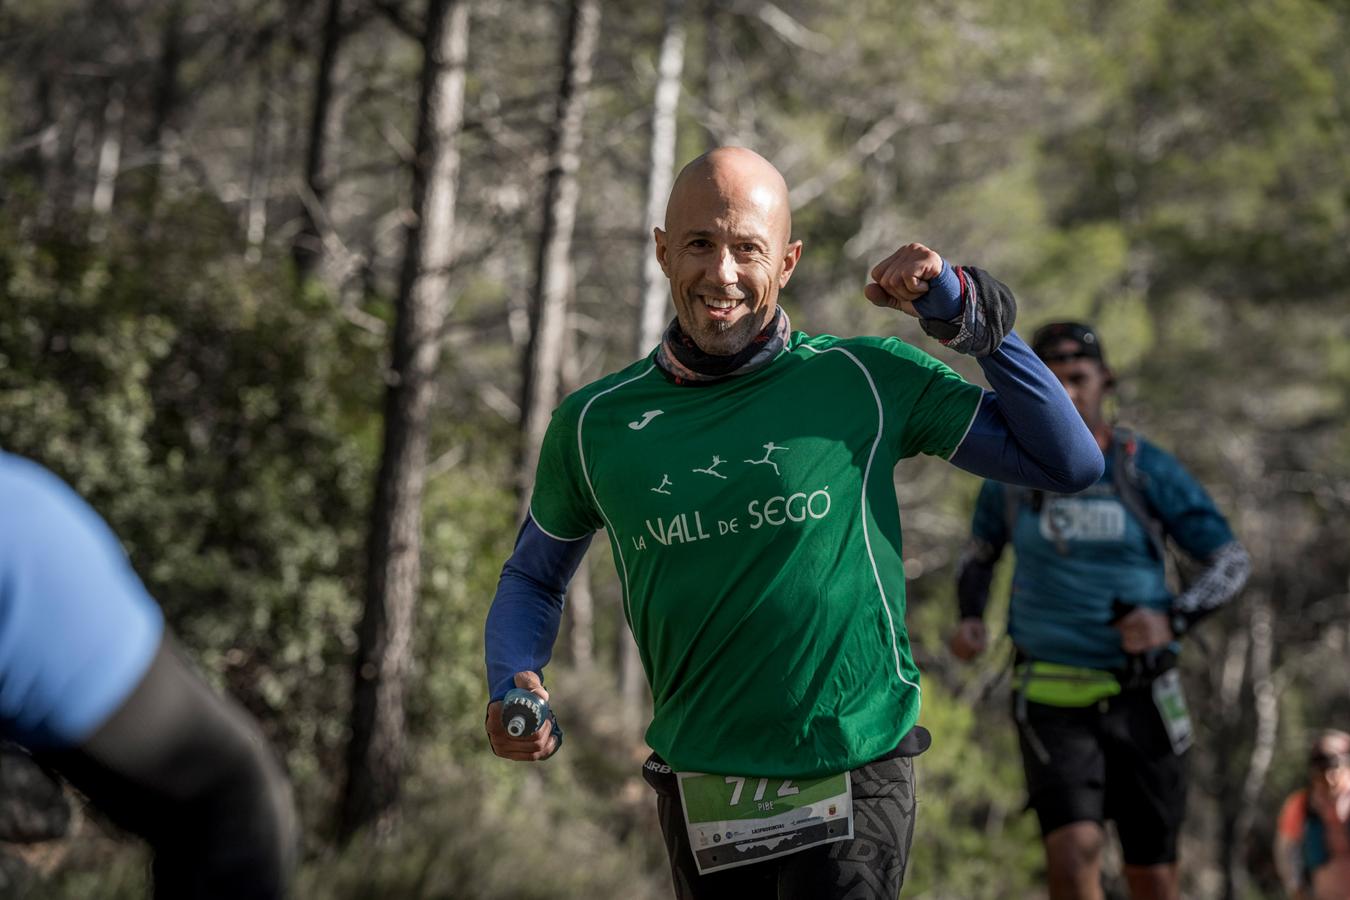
(734, 820)
(1171, 703)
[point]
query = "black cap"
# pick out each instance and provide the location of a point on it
(1330, 749)
(1320, 758)
(1056, 333)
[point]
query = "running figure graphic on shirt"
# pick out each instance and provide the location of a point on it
(768, 450)
(712, 468)
(665, 483)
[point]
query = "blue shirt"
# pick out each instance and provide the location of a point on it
(77, 629)
(1081, 552)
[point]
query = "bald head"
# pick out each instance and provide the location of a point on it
(731, 176)
(727, 247)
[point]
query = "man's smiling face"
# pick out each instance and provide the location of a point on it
(725, 248)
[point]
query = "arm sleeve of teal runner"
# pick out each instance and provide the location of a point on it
(1191, 518)
(1188, 514)
(77, 628)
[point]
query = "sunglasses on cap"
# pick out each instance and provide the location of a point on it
(1056, 334)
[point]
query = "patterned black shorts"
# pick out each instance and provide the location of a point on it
(871, 866)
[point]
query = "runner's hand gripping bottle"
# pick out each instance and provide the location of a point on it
(523, 713)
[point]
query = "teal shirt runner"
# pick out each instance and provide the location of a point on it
(1078, 553)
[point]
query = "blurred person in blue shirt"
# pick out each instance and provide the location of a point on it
(92, 686)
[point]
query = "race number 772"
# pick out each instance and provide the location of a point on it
(786, 789)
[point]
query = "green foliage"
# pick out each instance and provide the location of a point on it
(973, 838)
(202, 414)
(1174, 172)
(460, 577)
(535, 836)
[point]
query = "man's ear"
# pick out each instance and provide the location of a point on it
(1110, 378)
(660, 237)
(791, 255)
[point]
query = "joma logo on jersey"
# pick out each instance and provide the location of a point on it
(646, 418)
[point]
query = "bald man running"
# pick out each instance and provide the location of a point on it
(743, 472)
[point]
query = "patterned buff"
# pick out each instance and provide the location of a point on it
(683, 362)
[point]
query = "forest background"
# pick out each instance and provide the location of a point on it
(288, 287)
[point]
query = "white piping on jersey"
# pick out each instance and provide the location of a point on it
(969, 425)
(867, 539)
(535, 520)
(581, 455)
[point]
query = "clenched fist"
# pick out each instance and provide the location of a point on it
(901, 278)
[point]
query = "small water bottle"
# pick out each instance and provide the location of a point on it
(523, 713)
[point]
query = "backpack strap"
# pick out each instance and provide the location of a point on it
(1013, 498)
(1129, 484)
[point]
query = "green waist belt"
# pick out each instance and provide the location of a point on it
(1058, 685)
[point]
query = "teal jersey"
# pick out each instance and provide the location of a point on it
(756, 532)
(1079, 553)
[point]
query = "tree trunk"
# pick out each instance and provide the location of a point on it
(1267, 709)
(548, 314)
(655, 289)
(61, 181)
(160, 139)
(109, 162)
(307, 248)
(376, 752)
(730, 112)
(260, 168)
(660, 173)
(1261, 718)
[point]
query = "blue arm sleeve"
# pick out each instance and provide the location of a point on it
(1026, 431)
(77, 629)
(523, 621)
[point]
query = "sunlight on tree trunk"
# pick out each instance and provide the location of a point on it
(376, 753)
(543, 359)
(260, 168)
(655, 293)
(109, 162)
(660, 173)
